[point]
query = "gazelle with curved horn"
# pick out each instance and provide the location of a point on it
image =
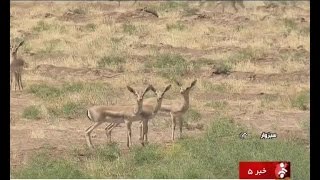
(176, 110)
(116, 114)
(149, 111)
(16, 67)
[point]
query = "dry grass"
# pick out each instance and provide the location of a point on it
(178, 44)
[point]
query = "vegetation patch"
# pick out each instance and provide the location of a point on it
(42, 166)
(192, 115)
(169, 65)
(176, 26)
(301, 100)
(129, 28)
(217, 104)
(216, 154)
(45, 91)
(31, 112)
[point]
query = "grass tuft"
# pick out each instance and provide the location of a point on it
(301, 100)
(43, 166)
(31, 112)
(216, 154)
(176, 26)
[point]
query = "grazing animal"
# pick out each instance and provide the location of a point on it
(149, 111)
(16, 67)
(116, 114)
(176, 110)
(232, 3)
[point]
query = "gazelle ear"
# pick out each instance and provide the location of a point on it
(166, 89)
(20, 44)
(153, 89)
(178, 83)
(132, 90)
(147, 89)
(193, 83)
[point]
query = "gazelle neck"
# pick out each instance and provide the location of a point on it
(158, 106)
(185, 105)
(137, 108)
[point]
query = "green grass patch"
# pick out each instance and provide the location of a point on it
(301, 100)
(217, 104)
(149, 155)
(244, 55)
(168, 65)
(31, 112)
(42, 166)
(70, 100)
(216, 154)
(50, 48)
(176, 26)
(112, 62)
(192, 115)
(211, 87)
(222, 67)
(45, 91)
(290, 25)
(129, 28)
(42, 26)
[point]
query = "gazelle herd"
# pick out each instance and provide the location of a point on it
(142, 111)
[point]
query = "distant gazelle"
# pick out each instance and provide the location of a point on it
(116, 114)
(120, 0)
(176, 110)
(231, 2)
(16, 67)
(149, 111)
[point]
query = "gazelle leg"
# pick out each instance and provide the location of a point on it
(145, 131)
(88, 133)
(141, 132)
(15, 81)
(128, 124)
(180, 126)
(173, 126)
(109, 130)
(20, 80)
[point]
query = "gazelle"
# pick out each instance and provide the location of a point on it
(116, 114)
(16, 67)
(132, 4)
(148, 112)
(176, 110)
(232, 3)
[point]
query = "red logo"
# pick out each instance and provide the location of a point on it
(264, 170)
(281, 170)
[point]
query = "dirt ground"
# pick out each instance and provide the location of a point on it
(262, 78)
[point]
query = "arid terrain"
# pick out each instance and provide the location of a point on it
(252, 68)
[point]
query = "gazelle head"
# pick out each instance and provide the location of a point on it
(185, 90)
(14, 50)
(160, 94)
(139, 95)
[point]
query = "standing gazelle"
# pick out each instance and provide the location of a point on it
(16, 67)
(116, 114)
(232, 3)
(176, 110)
(148, 112)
